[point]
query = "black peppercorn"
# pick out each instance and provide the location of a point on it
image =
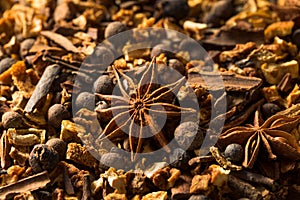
(159, 49)
(104, 85)
(269, 109)
(177, 65)
(13, 119)
(199, 197)
(234, 152)
(177, 9)
(114, 28)
(56, 114)
(58, 145)
(42, 157)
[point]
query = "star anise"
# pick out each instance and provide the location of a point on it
(273, 136)
(138, 108)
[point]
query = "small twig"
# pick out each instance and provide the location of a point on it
(223, 162)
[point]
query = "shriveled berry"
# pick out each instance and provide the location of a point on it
(42, 157)
(85, 100)
(199, 197)
(12, 119)
(6, 63)
(104, 85)
(179, 158)
(188, 135)
(234, 152)
(26, 46)
(269, 109)
(103, 116)
(193, 48)
(177, 65)
(58, 145)
(114, 28)
(56, 114)
(102, 55)
(115, 160)
(159, 49)
(177, 9)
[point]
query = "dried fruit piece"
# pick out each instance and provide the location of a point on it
(80, 154)
(275, 72)
(279, 29)
(26, 137)
(160, 195)
(69, 131)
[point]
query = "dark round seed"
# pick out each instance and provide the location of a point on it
(221, 11)
(188, 135)
(104, 116)
(56, 114)
(12, 119)
(42, 157)
(102, 56)
(234, 152)
(177, 9)
(115, 160)
(179, 158)
(85, 100)
(26, 46)
(6, 63)
(159, 49)
(104, 85)
(199, 197)
(59, 146)
(177, 65)
(114, 28)
(193, 48)
(296, 37)
(269, 109)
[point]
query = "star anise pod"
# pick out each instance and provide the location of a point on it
(138, 107)
(273, 136)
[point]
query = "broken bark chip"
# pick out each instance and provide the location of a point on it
(30, 183)
(42, 87)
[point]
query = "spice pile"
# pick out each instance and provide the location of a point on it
(80, 113)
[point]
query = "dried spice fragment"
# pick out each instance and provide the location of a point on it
(231, 81)
(43, 87)
(61, 40)
(80, 154)
(30, 183)
(181, 189)
(26, 137)
(160, 195)
(279, 29)
(5, 147)
(69, 131)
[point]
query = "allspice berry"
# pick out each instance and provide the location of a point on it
(13, 119)
(56, 114)
(85, 100)
(42, 157)
(114, 28)
(104, 85)
(234, 152)
(58, 145)
(188, 136)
